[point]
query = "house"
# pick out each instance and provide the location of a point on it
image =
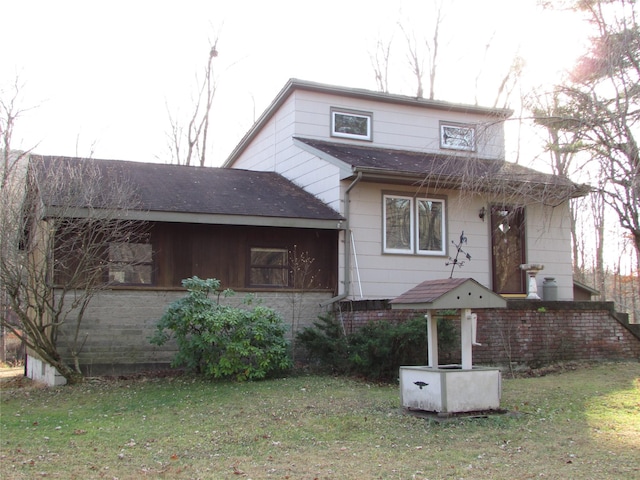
(334, 194)
(414, 179)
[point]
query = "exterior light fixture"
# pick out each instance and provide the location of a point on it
(482, 213)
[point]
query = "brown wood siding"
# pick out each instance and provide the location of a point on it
(222, 252)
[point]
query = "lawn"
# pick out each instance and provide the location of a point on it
(580, 422)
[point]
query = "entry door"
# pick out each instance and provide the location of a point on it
(507, 240)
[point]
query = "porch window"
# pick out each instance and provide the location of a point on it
(414, 225)
(130, 263)
(269, 267)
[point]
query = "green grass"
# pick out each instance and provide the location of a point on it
(579, 424)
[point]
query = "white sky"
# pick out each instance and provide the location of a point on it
(102, 73)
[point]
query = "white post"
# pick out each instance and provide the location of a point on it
(474, 330)
(432, 339)
(466, 338)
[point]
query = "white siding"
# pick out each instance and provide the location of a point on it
(389, 275)
(273, 150)
(394, 126)
(261, 153)
(549, 243)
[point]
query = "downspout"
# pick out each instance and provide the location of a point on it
(347, 247)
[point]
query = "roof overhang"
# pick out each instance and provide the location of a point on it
(197, 218)
(509, 187)
(490, 176)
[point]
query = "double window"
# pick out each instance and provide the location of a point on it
(414, 225)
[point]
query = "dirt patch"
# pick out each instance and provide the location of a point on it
(11, 372)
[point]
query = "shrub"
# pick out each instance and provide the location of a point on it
(222, 341)
(376, 351)
(325, 344)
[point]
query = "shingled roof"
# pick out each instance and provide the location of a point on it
(446, 171)
(203, 194)
(448, 293)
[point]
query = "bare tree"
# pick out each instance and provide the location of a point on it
(549, 111)
(60, 224)
(509, 82)
(433, 48)
(415, 56)
(303, 277)
(416, 60)
(11, 169)
(188, 144)
(603, 106)
(597, 212)
(10, 112)
(380, 64)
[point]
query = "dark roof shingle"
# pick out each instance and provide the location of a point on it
(202, 190)
(452, 171)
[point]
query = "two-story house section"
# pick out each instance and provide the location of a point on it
(410, 176)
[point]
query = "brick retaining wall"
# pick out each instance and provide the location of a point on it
(531, 333)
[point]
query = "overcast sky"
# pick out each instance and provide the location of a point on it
(103, 73)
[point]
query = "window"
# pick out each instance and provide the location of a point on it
(348, 124)
(414, 225)
(130, 263)
(457, 136)
(269, 267)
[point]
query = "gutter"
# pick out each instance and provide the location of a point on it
(347, 247)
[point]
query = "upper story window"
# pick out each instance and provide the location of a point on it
(269, 267)
(130, 263)
(414, 225)
(351, 124)
(457, 136)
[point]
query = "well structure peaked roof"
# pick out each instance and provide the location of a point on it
(446, 294)
(201, 194)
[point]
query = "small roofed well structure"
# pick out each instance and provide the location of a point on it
(450, 388)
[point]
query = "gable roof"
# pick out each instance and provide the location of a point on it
(444, 171)
(296, 84)
(199, 194)
(449, 293)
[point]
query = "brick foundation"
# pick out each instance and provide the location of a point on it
(532, 333)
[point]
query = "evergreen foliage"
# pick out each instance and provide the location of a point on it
(222, 341)
(376, 351)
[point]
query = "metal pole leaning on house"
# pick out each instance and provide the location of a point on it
(347, 248)
(355, 260)
(347, 232)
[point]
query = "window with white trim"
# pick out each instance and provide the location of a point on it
(457, 136)
(350, 124)
(414, 225)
